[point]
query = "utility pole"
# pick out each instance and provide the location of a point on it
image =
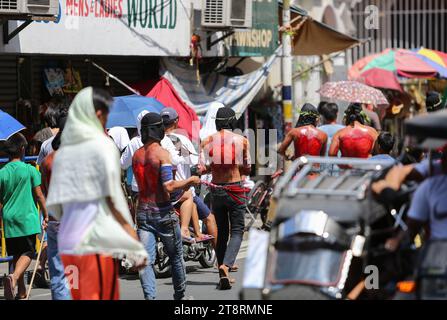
(286, 64)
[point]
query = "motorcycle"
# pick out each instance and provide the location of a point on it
(327, 239)
(202, 252)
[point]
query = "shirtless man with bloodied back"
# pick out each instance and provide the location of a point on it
(156, 217)
(356, 140)
(226, 155)
(307, 139)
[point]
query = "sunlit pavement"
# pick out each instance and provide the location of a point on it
(201, 283)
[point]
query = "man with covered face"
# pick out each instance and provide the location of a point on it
(226, 156)
(156, 217)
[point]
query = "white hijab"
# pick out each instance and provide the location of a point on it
(120, 136)
(87, 168)
(209, 125)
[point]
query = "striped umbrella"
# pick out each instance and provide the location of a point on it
(382, 70)
(435, 59)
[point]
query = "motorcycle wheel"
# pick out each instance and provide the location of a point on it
(208, 257)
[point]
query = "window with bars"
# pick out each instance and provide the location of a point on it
(402, 24)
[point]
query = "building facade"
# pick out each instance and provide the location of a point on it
(405, 24)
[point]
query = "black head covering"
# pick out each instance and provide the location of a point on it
(152, 127)
(433, 101)
(308, 116)
(225, 119)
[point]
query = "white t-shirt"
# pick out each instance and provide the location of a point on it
(45, 149)
(190, 156)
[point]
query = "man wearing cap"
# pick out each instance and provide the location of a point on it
(156, 217)
(226, 155)
(433, 101)
(188, 151)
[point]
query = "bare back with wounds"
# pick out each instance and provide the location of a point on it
(227, 155)
(307, 140)
(147, 162)
(354, 141)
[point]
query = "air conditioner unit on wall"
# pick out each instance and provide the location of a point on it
(227, 13)
(27, 9)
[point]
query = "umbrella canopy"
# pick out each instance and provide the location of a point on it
(125, 110)
(8, 126)
(404, 63)
(353, 91)
(393, 63)
(435, 59)
(380, 78)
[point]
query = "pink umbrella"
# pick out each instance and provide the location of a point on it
(353, 91)
(380, 78)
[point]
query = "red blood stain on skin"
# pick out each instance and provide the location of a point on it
(148, 177)
(357, 143)
(223, 153)
(308, 143)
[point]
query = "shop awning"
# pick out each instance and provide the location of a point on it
(315, 38)
(236, 92)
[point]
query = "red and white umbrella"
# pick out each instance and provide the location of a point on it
(353, 91)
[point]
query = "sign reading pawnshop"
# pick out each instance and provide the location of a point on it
(262, 39)
(110, 27)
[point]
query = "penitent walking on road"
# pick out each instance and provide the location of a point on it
(156, 217)
(226, 155)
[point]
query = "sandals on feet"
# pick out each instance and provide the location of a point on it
(189, 240)
(8, 287)
(224, 281)
(204, 237)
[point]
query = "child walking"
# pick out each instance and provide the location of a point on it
(19, 186)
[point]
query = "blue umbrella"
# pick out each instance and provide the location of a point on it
(125, 110)
(8, 126)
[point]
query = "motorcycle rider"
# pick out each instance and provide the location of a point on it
(307, 139)
(428, 206)
(187, 150)
(152, 166)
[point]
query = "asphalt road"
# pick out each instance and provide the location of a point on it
(201, 284)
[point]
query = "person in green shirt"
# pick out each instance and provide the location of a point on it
(19, 186)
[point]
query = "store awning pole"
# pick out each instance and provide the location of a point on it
(287, 68)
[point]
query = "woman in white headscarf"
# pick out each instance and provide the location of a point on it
(85, 194)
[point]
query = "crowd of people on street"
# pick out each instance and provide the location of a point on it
(87, 226)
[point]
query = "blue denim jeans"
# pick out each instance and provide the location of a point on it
(164, 226)
(59, 286)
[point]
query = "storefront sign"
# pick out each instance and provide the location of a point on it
(110, 27)
(262, 39)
